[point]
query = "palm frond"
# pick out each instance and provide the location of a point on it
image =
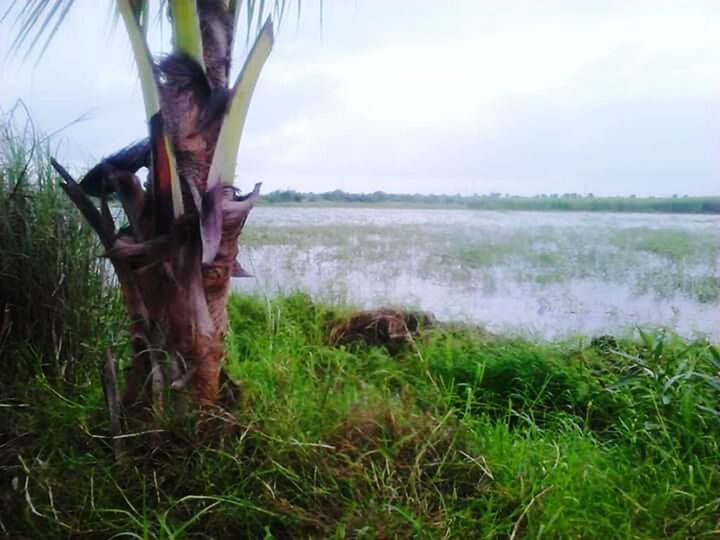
(35, 20)
(187, 38)
(166, 180)
(256, 13)
(222, 167)
(223, 163)
(38, 19)
(141, 54)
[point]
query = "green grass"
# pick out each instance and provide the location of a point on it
(462, 434)
(53, 285)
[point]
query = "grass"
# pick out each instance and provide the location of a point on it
(53, 285)
(460, 434)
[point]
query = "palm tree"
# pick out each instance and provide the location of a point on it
(175, 257)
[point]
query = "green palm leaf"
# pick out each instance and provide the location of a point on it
(38, 19)
(166, 180)
(187, 29)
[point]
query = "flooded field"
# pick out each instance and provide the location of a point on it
(546, 274)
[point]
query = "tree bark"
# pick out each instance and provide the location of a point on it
(175, 292)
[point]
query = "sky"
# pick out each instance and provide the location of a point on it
(419, 96)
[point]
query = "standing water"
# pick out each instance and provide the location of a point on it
(550, 274)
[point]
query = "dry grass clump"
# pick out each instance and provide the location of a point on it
(383, 326)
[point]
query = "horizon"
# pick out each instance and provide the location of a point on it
(499, 195)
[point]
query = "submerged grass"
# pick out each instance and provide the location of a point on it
(663, 262)
(459, 434)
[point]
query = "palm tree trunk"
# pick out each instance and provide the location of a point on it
(175, 260)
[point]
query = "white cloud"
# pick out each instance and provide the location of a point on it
(517, 96)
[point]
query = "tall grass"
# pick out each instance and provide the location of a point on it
(53, 286)
(459, 434)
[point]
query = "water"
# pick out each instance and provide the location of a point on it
(548, 274)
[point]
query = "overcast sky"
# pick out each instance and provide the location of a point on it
(520, 97)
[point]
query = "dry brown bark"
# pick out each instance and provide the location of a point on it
(177, 305)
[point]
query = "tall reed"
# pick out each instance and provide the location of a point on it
(55, 298)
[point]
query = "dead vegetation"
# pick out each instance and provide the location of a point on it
(387, 327)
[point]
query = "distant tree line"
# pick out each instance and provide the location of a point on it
(498, 201)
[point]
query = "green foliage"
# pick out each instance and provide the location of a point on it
(497, 376)
(53, 286)
(495, 201)
(36, 20)
(459, 434)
